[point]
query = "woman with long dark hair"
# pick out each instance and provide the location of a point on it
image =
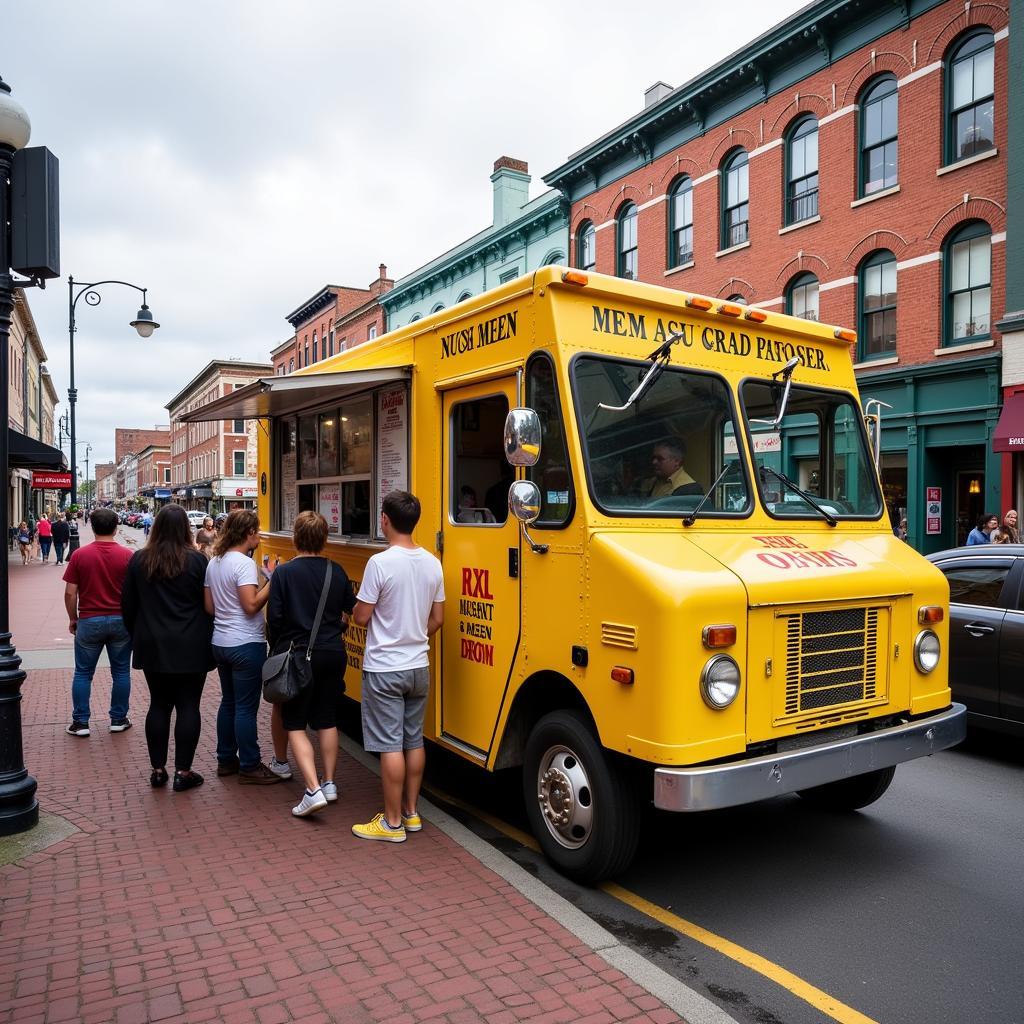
(162, 604)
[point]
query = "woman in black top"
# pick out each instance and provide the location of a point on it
(162, 606)
(295, 590)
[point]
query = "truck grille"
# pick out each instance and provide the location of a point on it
(831, 658)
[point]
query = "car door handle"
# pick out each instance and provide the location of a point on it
(977, 629)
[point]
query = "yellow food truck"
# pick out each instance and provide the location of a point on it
(669, 570)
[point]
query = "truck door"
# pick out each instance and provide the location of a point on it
(480, 559)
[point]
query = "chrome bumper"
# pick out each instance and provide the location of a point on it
(742, 782)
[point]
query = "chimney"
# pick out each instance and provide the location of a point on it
(656, 93)
(511, 181)
(383, 283)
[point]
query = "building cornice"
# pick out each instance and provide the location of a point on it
(313, 305)
(211, 370)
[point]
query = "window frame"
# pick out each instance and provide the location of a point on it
(800, 129)
(551, 524)
(864, 149)
(631, 213)
(587, 227)
(682, 184)
(953, 58)
(235, 452)
(878, 258)
(963, 233)
(735, 159)
(802, 280)
(455, 417)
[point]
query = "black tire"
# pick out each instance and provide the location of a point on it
(850, 794)
(608, 845)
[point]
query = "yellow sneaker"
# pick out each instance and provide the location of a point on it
(379, 830)
(412, 822)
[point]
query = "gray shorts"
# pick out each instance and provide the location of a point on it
(393, 704)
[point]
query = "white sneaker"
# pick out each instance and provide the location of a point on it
(310, 804)
(330, 791)
(282, 769)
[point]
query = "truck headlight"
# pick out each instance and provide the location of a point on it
(927, 651)
(720, 682)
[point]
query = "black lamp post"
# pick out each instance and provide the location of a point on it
(143, 323)
(19, 809)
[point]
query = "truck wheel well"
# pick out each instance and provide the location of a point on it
(540, 694)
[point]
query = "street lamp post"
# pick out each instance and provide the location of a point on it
(143, 323)
(19, 809)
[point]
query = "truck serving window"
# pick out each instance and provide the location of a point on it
(820, 449)
(551, 474)
(659, 455)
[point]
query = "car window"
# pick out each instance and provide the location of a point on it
(976, 584)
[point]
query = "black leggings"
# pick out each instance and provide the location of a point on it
(173, 691)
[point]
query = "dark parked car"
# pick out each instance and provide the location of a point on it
(986, 632)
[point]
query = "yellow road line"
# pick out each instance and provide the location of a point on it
(820, 1000)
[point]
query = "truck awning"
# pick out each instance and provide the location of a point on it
(284, 396)
(1009, 433)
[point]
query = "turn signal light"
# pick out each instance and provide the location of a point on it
(621, 674)
(719, 636)
(930, 613)
(757, 315)
(844, 335)
(575, 277)
(730, 309)
(696, 302)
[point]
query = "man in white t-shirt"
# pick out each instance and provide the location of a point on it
(401, 604)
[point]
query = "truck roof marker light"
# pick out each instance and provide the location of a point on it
(575, 277)
(846, 335)
(624, 675)
(730, 309)
(697, 302)
(715, 637)
(757, 315)
(930, 613)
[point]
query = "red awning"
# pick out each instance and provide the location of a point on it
(1009, 435)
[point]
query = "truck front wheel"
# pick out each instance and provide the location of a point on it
(850, 794)
(581, 807)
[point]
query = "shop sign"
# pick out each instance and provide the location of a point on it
(933, 510)
(44, 480)
(392, 442)
(235, 488)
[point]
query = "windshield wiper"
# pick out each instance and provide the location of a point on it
(659, 358)
(786, 482)
(692, 517)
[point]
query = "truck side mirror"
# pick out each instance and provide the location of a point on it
(524, 504)
(522, 438)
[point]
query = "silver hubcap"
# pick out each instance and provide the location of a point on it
(565, 797)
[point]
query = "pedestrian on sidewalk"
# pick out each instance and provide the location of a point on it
(164, 611)
(94, 579)
(1009, 526)
(32, 534)
(235, 599)
(147, 525)
(303, 589)
(401, 604)
(45, 537)
(61, 533)
(24, 542)
(205, 536)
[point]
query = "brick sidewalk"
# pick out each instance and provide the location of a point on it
(217, 905)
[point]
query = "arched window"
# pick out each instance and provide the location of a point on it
(680, 223)
(437, 307)
(415, 318)
(878, 136)
(737, 299)
(735, 193)
(802, 297)
(463, 297)
(554, 258)
(970, 85)
(316, 353)
(626, 229)
(802, 171)
(291, 364)
(968, 270)
(586, 246)
(877, 333)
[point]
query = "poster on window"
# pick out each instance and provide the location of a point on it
(330, 506)
(933, 510)
(289, 508)
(392, 442)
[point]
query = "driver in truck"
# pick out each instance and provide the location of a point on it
(670, 477)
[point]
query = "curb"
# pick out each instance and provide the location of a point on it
(688, 1003)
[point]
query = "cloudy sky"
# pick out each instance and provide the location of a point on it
(236, 155)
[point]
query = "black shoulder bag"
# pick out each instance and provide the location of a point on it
(287, 674)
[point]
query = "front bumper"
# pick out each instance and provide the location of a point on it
(705, 788)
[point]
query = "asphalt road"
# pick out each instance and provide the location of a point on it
(910, 912)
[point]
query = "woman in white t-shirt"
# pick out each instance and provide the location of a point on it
(235, 595)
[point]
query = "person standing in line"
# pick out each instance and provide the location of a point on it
(982, 533)
(164, 611)
(401, 604)
(1009, 525)
(61, 533)
(235, 599)
(94, 579)
(24, 542)
(295, 592)
(45, 537)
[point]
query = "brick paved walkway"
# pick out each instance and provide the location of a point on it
(217, 905)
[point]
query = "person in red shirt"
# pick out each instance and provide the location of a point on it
(45, 537)
(92, 596)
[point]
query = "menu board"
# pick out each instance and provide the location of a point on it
(289, 507)
(330, 506)
(392, 442)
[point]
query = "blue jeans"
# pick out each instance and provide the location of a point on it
(91, 637)
(241, 687)
(44, 547)
(59, 548)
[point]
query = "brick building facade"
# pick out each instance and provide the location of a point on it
(132, 440)
(154, 474)
(850, 165)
